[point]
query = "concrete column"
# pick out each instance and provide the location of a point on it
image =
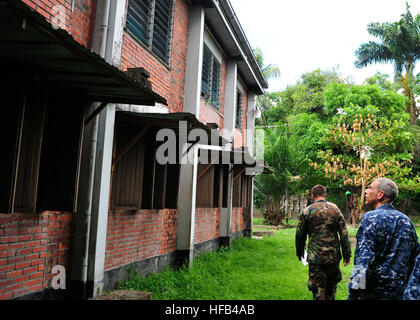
(114, 30)
(250, 141)
(194, 61)
(250, 122)
(229, 133)
(226, 213)
(88, 258)
(186, 204)
(100, 201)
(230, 99)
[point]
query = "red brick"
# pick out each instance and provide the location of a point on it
(35, 288)
(21, 279)
(32, 244)
(5, 283)
(17, 245)
(23, 265)
(13, 274)
(8, 239)
(13, 260)
(37, 262)
(4, 254)
(14, 287)
(32, 282)
(25, 237)
(5, 296)
(39, 249)
(40, 236)
(6, 268)
(29, 270)
(32, 257)
(36, 275)
(24, 251)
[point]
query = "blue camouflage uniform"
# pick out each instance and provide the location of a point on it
(386, 249)
(412, 291)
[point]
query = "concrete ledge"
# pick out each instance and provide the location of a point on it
(127, 295)
(262, 233)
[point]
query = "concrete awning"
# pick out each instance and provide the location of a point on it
(27, 40)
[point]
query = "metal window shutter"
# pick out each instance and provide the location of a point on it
(205, 78)
(162, 28)
(138, 19)
(215, 83)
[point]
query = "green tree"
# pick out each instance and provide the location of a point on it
(381, 80)
(289, 148)
(361, 145)
(306, 96)
(338, 96)
(399, 44)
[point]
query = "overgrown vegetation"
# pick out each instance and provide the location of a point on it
(251, 269)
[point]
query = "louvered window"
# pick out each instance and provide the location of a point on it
(210, 78)
(150, 21)
(238, 118)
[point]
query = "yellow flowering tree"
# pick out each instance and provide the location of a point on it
(362, 147)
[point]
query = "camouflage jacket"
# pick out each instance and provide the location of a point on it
(323, 221)
(412, 291)
(386, 248)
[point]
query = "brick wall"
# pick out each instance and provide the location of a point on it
(144, 234)
(210, 114)
(237, 219)
(167, 81)
(30, 245)
(207, 224)
(79, 22)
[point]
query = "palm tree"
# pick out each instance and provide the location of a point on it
(270, 71)
(399, 44)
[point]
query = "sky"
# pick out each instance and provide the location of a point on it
(303, 35)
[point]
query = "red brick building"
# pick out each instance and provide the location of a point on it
(92, 85)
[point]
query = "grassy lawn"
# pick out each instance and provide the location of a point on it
(266, 269)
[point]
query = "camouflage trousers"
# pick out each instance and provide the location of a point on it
(323, 279)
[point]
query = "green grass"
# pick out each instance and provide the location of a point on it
(251, 269)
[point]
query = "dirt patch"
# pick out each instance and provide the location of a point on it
(264, 226)
(352, 242)
(127, 295)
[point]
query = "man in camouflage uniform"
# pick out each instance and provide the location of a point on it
(386, 247)
(323, 221)
(412, 291)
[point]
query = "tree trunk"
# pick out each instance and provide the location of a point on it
(411, 107)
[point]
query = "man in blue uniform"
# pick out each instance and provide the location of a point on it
(412, 291)
(386, 247)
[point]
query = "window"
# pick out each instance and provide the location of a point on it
(139, 181)
(238, 113)
(150, 21)
(40, 142)
(210, 79)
